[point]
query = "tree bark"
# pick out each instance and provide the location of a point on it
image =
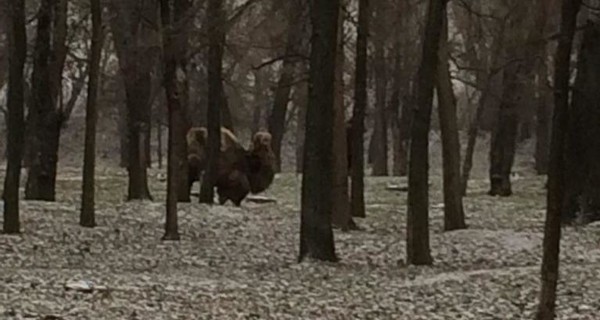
(45, 116)
(87, 216)
(216, 39)
(137, 47)
(357, 192)
(454, 216)
(557, 174)
(286, 80)
(582, 198)
(174, 17)
(504, 135)
(380, 132)
(417, 244)
(341, 216)
(17, 47)
(316, 235)
(300, 99)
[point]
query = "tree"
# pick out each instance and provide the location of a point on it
(506, 128)
(286, 78)
(582, 192)
(45, 116)
(557, 172)
(341, 216)
(173, 16)
(137, 45)
(417, 243)
(216, 40)
(17, 43)
(357, 192)
(379, 143)
(316, 235)
(87, 216)
(454, 216)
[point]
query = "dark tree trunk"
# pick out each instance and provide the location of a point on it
(357, 192)
(87, 216)
(316, 235)
(123, 137)
(17, 47)
(454, 216)
(300, 98)
(504, 135)
(159, 148)
(557, 173)
(394, 108)
(544, 119)
(259, 101)
(380, 132)
(472, 140)
(341, 206)
(215, 97)
(417, 244)
(401, 148)
(46, 117)
(136, 44)
(286, 80)
(173, 16)
(582, 198)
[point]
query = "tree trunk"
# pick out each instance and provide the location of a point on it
(380, 132)
(87, 216)
(417, 244)
(46, 120)
(582, 199)
(259, 101)
(286, 80)
(357, 192)
(544, 119)
(316, 235)
(341, 207)
(394, 108)
(504, 135)
(216, 39)
(454, 216)
(136, 45)
(557, 175)
(175, 83)
(17, 47)
(159, 148)
(123, 137)
(300, 99)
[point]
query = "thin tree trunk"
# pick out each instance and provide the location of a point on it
(286, 79)
(454, 216)
(504, 135)
(316, 235)
(357, 192)
(49, 58)
(556, 174)
(259, 101)
(87, 216)
(300, 98)
(159, 149)
(17, 47)
(544, 119)
(341, 207)
(175, 83)
(215, 97)
(380, 132)
(417, 244)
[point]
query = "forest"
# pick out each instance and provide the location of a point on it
(300, 159)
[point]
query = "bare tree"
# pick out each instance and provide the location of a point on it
(316, 235)
(17, 46)
(215, 16)
(286, 78)
(45, 117)
(418, 251)
(454, 216)
(87, 216)
(557, 172)
(137, 43)
(357, 192)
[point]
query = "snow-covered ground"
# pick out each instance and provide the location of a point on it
(240, 263)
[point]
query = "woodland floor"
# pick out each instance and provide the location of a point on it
(240, 263)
